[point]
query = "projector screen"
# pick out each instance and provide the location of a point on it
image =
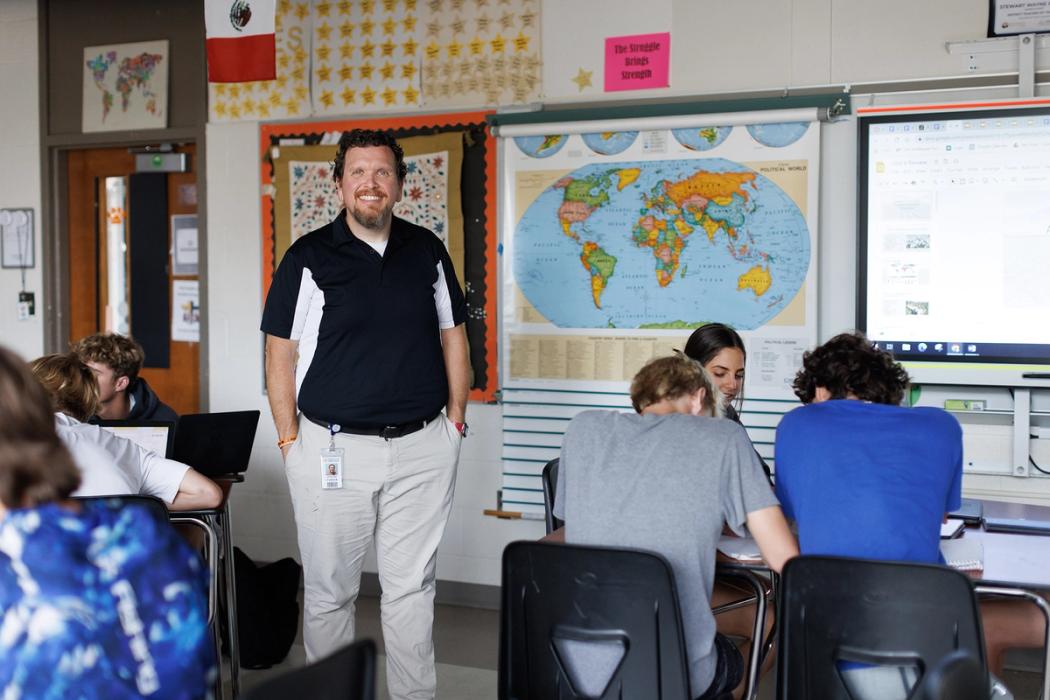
(954, 263)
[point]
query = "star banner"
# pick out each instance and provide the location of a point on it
(480, 52)
(365, 56)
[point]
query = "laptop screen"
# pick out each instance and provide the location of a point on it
(153, 436)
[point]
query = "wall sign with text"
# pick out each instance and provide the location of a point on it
(1010, 17)
(637, 62)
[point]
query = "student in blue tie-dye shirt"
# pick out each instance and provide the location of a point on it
(96, 600)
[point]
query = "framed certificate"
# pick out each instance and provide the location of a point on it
(1011, 17)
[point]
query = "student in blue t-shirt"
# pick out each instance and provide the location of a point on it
(863, 476)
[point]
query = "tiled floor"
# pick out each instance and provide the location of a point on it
(467, 645)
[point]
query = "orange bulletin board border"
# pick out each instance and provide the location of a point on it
(271, 134)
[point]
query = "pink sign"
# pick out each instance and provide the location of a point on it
(637, 62)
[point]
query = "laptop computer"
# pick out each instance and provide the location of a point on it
(216, 443)
(971, 511)
(1020, 526)
(154, 435)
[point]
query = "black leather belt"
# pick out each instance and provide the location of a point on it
(386, 432)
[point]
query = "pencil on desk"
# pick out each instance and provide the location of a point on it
(513, 514)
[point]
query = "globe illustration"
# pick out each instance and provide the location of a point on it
(609, 143)
(778, 135)
(541, 146)
(702, 138)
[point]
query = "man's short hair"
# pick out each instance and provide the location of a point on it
(121, 353)
(70, 383)
(363, 138)
(849, 364)
(669, 378)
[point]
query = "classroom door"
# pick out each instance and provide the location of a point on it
(133, 259)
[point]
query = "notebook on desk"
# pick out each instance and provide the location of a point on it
(216, 443)
(154, 435)
(963, 554)
(1017, 525)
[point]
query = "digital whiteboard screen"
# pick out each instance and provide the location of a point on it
(955, 235)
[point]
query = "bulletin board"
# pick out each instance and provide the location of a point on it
(457, 147)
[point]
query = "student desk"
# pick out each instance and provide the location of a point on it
(1016, 565)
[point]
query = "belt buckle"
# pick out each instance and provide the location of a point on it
(390, 431)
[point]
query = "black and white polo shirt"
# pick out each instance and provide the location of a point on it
(368, 323)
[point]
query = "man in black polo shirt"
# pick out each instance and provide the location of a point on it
(365, 345)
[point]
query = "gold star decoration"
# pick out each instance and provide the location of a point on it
(583, 79)
(346, 29)
(263, 110)
(527, 19)
(282, 60)
(220, 109)
(344, 7)
(408, 70)
(409, 47)
(235, 111)
(300, 92)
(220, 90)
(300, 55)
(457, 5)
(476, 46)
(435, 6)
(322, 52)
(389, 25)
(387, 48)
(324, 32)
(366, 71)
(498, 43)
(457, 25)
(346, 51)
(454, 49)
(281, 82)
(433, 28)
(367, 6)
(386, 71)
(284, 7)
(506, 21)
(483, 23)
(410, 5)
(346, 73)
(324, 74)
(409, 23)
(388, 5)
(411, 95)
(521, 42)
(235, 92)
(368, 97)
(275, 99)
(327, 98)
(368, 49)
(302, 10)
(323, 8)
(367, 26)
(433, 51)
(389, 96)
(348, 96)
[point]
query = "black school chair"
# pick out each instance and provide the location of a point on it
(589, 622)
(958, 676)
(836, 611)
(549, 477)
(348, 674)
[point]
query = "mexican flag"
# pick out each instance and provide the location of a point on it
(240, 40)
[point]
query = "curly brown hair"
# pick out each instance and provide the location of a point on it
(363, 138)
(70, 383)
(121, 353)
(35, 466)
(850, 365)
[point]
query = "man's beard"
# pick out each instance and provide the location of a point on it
(374, 222)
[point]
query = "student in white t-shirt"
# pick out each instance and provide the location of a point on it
(112, 465)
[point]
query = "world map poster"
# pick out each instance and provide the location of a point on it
(618, 244)
(125, 86)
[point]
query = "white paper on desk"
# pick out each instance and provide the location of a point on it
(739, 548)
(963, 553)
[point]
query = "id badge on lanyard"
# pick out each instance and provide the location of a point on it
(332, 462)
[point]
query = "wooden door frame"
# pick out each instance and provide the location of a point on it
(54, 227)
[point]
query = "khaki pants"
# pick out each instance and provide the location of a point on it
(398, 491)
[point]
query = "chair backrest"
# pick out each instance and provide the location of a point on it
(958, 676)
(153, 504)
(589, 622)
(348, 674)
(550, 485)
(838, 613)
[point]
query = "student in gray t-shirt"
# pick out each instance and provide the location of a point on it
(666, 480)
